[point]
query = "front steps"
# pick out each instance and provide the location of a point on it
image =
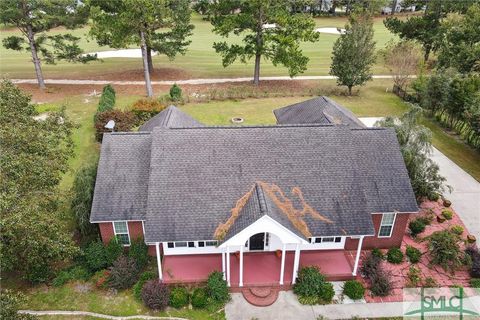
(261, 296)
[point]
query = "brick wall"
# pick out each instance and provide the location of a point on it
(395, 240)
(135, 230)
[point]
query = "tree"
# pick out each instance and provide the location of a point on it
(154, 25)
(34, 19)
(34, 157)
(426, 29)
(460, 47)
(82, 196)
(268, 29)
(415, 145)
(354, 53)
(402, 59)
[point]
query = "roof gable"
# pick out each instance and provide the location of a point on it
(170, 117)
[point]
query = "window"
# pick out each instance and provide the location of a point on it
(318, 240)
(328, 239)
(386, 226)
(121, 232)
(310, 240)
(211, 243)
(338, 239)
(201, 243)
(180, 244)
(191, 244)
(170, 245)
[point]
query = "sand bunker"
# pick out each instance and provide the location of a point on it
(123, 53)
(331, 30)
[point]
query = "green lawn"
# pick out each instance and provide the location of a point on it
(200, 61)
(70, 298)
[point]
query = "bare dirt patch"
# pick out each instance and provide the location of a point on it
(137, 75)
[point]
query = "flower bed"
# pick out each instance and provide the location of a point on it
(429, 275)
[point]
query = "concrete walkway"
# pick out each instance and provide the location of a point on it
(465, 195)
(186, 81)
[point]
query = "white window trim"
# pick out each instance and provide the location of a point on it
(393, 225)
(128, 232)
(195, 244)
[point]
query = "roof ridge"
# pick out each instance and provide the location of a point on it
(166, 120)
(124, 133)
(268, 126)
(261, 198)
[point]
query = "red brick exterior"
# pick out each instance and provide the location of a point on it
(395, 240)
(135, 230)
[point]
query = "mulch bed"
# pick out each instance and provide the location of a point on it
(399, 272)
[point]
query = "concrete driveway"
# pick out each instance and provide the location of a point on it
(465, 195)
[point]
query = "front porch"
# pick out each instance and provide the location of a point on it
(259, 268)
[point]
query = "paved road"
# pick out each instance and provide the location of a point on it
(465, 195)
(187, 81)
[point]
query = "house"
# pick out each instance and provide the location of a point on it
(256, 202)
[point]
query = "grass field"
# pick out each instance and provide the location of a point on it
(200, 61)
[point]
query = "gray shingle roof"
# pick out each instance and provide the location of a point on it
(122, 177)
(198, 174)
(320, 110)
(170, 117)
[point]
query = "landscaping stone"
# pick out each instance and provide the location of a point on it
(447, 203)
(471, 238)
(441, 219)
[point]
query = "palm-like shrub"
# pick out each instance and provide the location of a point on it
(155, 295)
(444, 248)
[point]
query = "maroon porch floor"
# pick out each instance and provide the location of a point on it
(259, 268)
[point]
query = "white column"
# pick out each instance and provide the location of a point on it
(357, 258)
(295, 263)
(228, 265)
(240, 281)
(159, 261)
(223, 266)
(282, 267)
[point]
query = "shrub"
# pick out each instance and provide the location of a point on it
(475, 282)
(474, 254)
(95, 257)
(107, 99)
(179, 297)
(447, 214)
(123, 273)
(82, 196)
(175, 93)
(124, 121)
(427, 218)
(10, 304)
(137, 288)
(414, 277)
(100, 278)
(370, 265)
(138, 251)
(381, 284)
(199, 298)
(378, 253)
(353, 289)
(217, 287)
(444, 249)
(155, 295)
(413, 254)
(75, 273)
(430, 282)
(308, 300)
(311, 283)
(457, 229)
(113, 250)
(144, 109)
(416, 227)
(395, 255)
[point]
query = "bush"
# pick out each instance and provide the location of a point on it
(444, 249)
(107, 99)
(199, 298)
(311, 283)
(381, 284)
(414, 277)
(179, 297)
(144, 109)
(137, 288)
(100, 279)
(95, 257)
(138, 251)
(353, 289)
(457, 229)
(378, 253)
(82, 196)
(475, 283)
(113, 250)
(413, 254)
(217, 287)
(123, 273)
(395, 255)
(155, 295)
(9, 305)
(124, 121)
(474, 254)
(175, 93)
(370, 265)
(75, 273)
(447, 214)
(430, 282)
(416, 227)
